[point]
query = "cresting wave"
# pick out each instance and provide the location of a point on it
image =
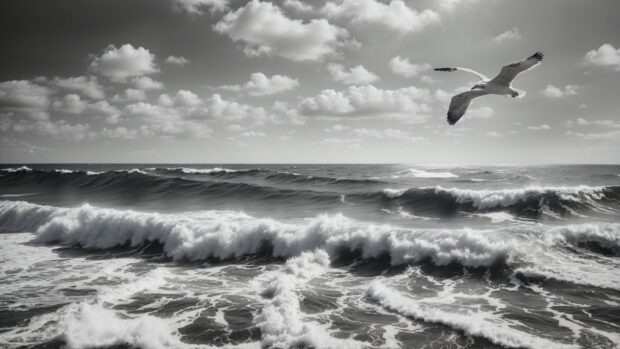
(256, 185)
(563, 200)
(225, 235)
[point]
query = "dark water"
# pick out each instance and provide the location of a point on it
(309, 256)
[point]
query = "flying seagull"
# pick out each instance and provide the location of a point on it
(500, 85)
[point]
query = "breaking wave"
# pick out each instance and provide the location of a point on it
(226, 235)
(529, 200)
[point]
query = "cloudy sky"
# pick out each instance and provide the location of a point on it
(295, 81)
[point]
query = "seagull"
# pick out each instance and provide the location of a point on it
(500, 85)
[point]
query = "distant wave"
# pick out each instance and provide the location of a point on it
(257, 185)
(425, 174)
(225, 235)
(562, 200)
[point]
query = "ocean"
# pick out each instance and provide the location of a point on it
(309, 256)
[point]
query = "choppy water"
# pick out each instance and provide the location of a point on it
(322, 256)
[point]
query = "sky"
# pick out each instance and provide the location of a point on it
(293, 81)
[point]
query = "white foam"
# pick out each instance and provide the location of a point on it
(202, 170)
(234, 235)
(427, 174)
(473, 323)
(23, 168)
(485, 199)
(394, 193)
(281, 320)
(86, 325)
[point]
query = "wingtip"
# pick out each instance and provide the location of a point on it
(538, 55)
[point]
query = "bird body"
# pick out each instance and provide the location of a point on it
(500, 85)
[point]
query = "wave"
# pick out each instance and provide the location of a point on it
(479, 324)
(227, 235)
(528, 200)
(214, 234)
(281, 320)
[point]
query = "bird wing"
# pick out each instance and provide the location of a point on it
(510, 71)
(460, 103)
(479, 75)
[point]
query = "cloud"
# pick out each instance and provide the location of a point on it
(395, 15)
(450, 5)
(173, 121)
(146, 83)
(87, 86)
(197, 6)
(104, 108)
(606, 56)
(559, 92)
(367, 101)
(23, 94)
(58, 130)
(71, 104)
(119, 64)
(265, 30)
(483, 112)
(120, 132)
(543, 127)
(130, 95)
(611, 135)
(508, 35)
(252, 134)
(603, 123)
(298, 6)
(403, 67)
(262, 85)
(355, 76)
(177, 60)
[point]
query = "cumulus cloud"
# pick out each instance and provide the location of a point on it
(606, 56)
(365, 101)
(146, 83)
(559, 92)
(23, 94)
(508, 35)
(395, 15)
(198, 6)
(119, 64)
(262, 85)
(177, 60)
(357, 75)
(265, 30)
(403, 67)
(87, 86)
(104, 108)
(71, 104)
